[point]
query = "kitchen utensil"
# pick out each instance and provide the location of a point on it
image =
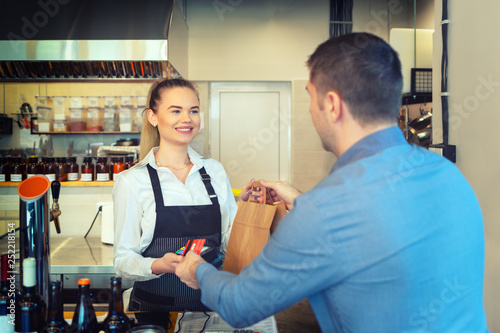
(127, 142)
(26, 112)
(40, 148)
(70, 150)
(44, 149)
(50, 147)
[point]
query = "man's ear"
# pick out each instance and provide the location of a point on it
(152, 117)
(334, 106)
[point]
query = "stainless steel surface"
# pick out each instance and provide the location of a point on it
(82, 50)
(34, 238)
(73, 258)
(70, 254)
(97, 30)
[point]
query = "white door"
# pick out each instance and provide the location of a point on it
(250, 130)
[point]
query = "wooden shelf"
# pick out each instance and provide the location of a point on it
(87, 132)
(77, 183)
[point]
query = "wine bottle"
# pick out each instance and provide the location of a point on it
(55, 319)
(30, 309)
(84, 318)
(116, 321)
(7, 296)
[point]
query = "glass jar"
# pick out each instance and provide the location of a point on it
(72, 169)
(4, 170)
(32, 167)
(17, 170)
(50, 168)
(110, 119)
(94, 119)
(77, 119)
(102, 169)
(87, 170)
(60, 168)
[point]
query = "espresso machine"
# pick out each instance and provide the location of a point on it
(34, 218)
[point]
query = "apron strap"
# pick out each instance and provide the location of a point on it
(155, 182)
(208, 185)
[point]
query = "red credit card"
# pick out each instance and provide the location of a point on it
(194, 245)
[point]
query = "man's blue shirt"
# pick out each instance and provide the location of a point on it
(390, 241)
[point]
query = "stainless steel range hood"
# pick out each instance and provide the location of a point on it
(51, 39)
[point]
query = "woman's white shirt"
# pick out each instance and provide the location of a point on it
(135, 215)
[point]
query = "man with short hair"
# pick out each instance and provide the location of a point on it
(390, 241)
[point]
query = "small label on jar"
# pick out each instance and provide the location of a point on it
(73, 176)
(102, 177)
(16, 178)
(86, 177)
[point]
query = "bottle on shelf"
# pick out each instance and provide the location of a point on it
(17, 170)
(129, 162)
(55, 314)
(119, 166)
(102, 169)
(4, 170)
(50, 168)
(111, 167)
(7, 295)
(32, 167)
(84, 318)
(60, 169)
(116, 321)
(72, 169)
(30, 309)
(87, 174)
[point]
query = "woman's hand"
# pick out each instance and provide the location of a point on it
(165, 264)
(245, 191)
(281, 191)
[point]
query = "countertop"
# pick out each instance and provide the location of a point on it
(89, 252)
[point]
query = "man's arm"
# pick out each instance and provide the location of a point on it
(295, 264)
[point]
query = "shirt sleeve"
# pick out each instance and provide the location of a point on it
(128, 261)
(296, 263)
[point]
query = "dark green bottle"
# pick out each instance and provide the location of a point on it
(116, 320)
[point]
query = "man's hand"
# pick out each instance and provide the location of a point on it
(165, 264)
(186, 269)
(281, 191)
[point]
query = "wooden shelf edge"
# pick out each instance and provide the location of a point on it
(77, 183)
(86, 132)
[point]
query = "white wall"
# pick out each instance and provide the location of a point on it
(254, 40)
(474, 119)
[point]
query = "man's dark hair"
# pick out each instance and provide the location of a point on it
(364, 70)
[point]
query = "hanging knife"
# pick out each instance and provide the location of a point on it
(70, 150)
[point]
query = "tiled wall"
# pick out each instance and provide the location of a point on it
(310, 162)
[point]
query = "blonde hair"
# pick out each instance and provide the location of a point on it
(149, 134)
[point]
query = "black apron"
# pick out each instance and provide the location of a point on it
(174, 226)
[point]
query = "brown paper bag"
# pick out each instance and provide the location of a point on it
(250, 232)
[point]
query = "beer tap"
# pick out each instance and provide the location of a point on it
(55, 211)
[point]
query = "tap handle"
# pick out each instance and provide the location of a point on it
(57, 225)
(56, 188)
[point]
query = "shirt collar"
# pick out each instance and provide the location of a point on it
(371, 145)
(195, 158)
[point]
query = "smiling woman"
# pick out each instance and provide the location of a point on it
(172, 195)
